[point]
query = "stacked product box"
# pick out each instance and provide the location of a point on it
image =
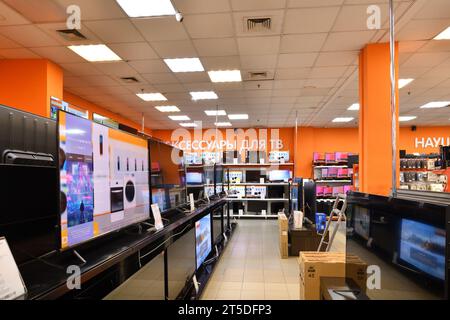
(314, 265)
(283, 225)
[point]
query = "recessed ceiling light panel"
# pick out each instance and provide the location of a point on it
(167, 108)
(189, 125)
(225, 76)
(222, 124)
(95, 53)
(215, 112)
(180, 118)
(435, 105)
(238, 116)
(204, 95)
(404, 82)
(185, 65)
(354, 107)
(444, 35)
(147, 8)
(343, 119)
(406, 118)
(151, 96)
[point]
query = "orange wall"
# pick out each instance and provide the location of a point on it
(28, 84)
(437, 134)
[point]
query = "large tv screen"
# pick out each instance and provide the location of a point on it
(203, 244)
(103, 179)
(168, 176)
(423, 247)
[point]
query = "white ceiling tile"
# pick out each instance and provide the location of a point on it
(310, 20)
(114, 31)
(10, 16)
(330, 59)
(134, 51)
(253, 5)
(217, 25)
(428, 59)
(285, 92)
(258, 85)
(327, 72)
(189, 77)
(81, 69)
(149, 66)
(6, 43)
(294, 43)
(160, 78)
(288, 84)
(175, 49)
(296, 60)
(264, 62)
(221, 63)
(119, 69)
(321, 83)
(348, 41)
(28, 36)
(18, 53)
(422, 29)
(201, 6)
(96, 10)
(259, 45)
(313, 3)
(58, 54)
(292, 73)
(161, 29)
(354, 17)
(216, 47)
(101, 81)
(434, 9)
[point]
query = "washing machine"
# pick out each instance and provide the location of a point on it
(129, 191)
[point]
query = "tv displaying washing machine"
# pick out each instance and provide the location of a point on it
(104, 179)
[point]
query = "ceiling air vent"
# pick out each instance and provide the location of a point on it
(129, 80)
(261, 24)
(71, 35)
(258, 76)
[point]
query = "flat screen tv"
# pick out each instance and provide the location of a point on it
(279, 175)
(104, 179)
(253, 176)
(218, 176)
(203, 241)
(194, 178)
(422, 246)
(168, 176)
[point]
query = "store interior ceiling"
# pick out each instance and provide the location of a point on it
(304, 63)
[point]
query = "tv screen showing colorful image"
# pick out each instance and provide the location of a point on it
(203, 244)
(103, 179)
(423, 247)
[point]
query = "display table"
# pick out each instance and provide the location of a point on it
(340, 289)
(305, 239)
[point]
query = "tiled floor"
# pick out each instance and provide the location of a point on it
(251, 267)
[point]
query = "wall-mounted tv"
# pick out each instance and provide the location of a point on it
(103, 179)
(203, 243)
(422, 246)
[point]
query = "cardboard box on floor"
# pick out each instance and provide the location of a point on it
(314, 265)
(283, 225)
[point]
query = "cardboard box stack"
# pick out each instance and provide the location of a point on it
(283, 228)
(314, 265)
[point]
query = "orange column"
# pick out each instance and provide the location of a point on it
(375, 119)
(28, 84)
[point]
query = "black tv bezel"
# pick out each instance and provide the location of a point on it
(210, 237)
(436, 281)
(109, 233)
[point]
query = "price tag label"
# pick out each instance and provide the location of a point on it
(157, 216)
(191, 201)
(11, 284)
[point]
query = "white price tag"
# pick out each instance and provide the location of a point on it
(235, 161)
(11, 284)
(157, 216)
(261, 180)
(191, 201)
(264, 212)
(241, 212)
(262, 161)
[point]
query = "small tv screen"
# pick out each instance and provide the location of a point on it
(194, 178)
(203, 243)
(103, 179)
(423, 247)
(253, 175)
(279, 175)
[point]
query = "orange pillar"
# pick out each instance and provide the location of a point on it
(375, 121)
(28, 84)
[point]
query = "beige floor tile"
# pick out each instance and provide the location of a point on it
(253, 286)
(252, 295)
(229, 295)
(231, 286)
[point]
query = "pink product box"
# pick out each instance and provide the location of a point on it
(319, 191)
(337, 190)
(332, 172)
(341, 156)
(347, 189)
(318, 157)
(324, 173)
(328, 191)
(342, 173)
(330, 157)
